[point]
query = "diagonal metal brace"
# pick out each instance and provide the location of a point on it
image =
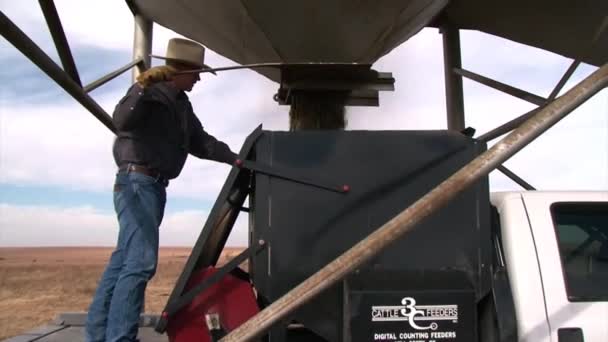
(522, 94)
(207, 283)
(289, 175)
(515, 177)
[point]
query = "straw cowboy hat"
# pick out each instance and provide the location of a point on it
(187, 52)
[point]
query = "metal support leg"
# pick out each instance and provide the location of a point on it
(61, 42)
(404, 222)
(453, 82)
(142, 44)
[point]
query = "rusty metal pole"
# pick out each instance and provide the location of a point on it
(407, 219)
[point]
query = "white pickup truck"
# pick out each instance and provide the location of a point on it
(551, 272)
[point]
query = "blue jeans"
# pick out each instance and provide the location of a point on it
(139, 201)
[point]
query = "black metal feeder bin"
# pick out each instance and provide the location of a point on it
(314, 194)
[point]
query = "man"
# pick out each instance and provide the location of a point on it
(156, 130)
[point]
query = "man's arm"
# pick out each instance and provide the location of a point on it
(205, 146)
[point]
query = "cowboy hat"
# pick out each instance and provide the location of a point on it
(185, 51)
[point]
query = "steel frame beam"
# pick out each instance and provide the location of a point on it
(61, 43)
(23, 43)
(563, 80)
(505, 88)
(454, 97)
(105, 79)
(406, 221)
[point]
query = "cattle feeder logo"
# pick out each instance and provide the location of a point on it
(419, 317)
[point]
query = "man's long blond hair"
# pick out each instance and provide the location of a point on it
(156, 74)
(162, 73)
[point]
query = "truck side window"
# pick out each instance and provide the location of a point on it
(582, 235)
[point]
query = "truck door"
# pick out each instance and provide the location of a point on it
(572, 246)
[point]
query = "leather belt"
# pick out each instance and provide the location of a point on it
(144, 171)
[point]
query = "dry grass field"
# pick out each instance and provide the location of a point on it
(37, 284)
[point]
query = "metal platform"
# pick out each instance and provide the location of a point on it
(69, 327)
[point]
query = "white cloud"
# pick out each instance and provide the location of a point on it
(183, 229)
(47, 226)
(87, 226)
(84, 22)
(230, 106)
(62, 141)
(418, 100)
(573, 154)
(28, 16)
(55, 145)
(97, 23)
(75, 150)
(233, 104)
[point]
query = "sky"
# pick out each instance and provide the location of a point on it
(56, 165)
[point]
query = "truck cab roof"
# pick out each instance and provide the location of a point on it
(497, 198)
